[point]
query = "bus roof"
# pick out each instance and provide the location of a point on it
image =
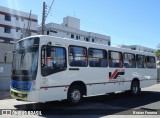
(88, 44)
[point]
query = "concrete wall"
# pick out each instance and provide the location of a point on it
(61, 30)
(5, 68)
(5, 47)
(5, 76)
(71, 22)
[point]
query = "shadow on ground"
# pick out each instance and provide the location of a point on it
(98, 105)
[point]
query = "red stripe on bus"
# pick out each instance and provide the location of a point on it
(113, 75)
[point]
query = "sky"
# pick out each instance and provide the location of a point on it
(129, 22)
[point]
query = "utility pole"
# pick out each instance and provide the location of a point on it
(27, 33)
(43, 17)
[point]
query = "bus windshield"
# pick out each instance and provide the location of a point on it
(25, 59)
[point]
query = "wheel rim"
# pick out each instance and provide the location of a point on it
(75, 95)
(135, 89)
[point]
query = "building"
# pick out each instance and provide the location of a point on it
(13, 24)
(70, 28)
(137, 47)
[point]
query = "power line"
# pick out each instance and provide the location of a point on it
(49, 9)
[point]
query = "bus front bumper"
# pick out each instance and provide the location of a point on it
(19, 94)
(32, 96)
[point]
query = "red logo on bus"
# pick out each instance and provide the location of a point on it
(117, 73)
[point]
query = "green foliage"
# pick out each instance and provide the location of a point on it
(158, 54)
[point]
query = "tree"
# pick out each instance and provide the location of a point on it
(158, 54)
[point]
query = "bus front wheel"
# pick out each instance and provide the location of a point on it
(74, 95)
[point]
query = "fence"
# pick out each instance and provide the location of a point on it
(5, 76)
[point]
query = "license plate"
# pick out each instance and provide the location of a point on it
(19, 95)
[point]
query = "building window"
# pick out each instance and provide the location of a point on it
(6, 41)
(133, 48)
(92, 40)
(109, 43)
(17, 18)
(87, 39)
(53, 31)
(47, 32)
(77, 56)
(7, 30)
(17, 30)
(7, 18)
(72, 36)
(77, 37)
(97, 58)
(22, 19)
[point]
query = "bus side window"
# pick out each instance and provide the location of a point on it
(129, 60)
(77, 56)
(150, 62)
(140, 61)
(54, 61)
(115, 59)
(97, 58)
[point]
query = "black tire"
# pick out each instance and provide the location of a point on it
(135, 88)
(75, 95)
(113, 93)
(19, 100)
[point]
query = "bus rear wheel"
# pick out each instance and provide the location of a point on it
(74, 95)
(135, 88)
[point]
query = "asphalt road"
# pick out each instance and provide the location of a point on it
(96, 106)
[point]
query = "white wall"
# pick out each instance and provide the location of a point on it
(16, 23)
(71, 22)
(62, 31)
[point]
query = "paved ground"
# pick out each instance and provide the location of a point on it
(5, 95)
(99, 106)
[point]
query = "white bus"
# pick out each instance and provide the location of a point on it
(47, 68)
